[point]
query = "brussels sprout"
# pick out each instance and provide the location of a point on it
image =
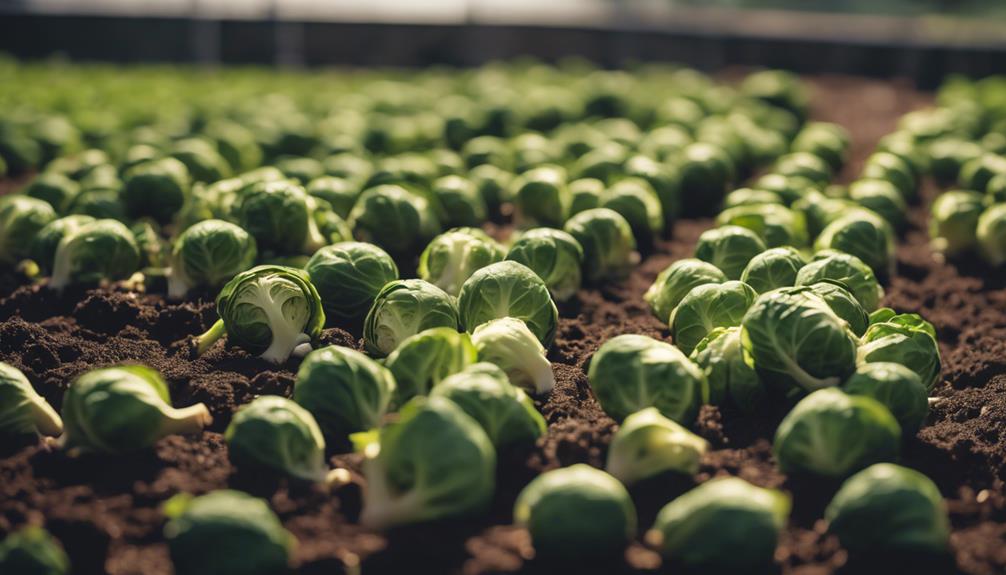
(21, 218)
(830, 142)
(895, 386)
(603, 162)
(796, 342)
(863, 234)
(303, 170)
(153, 248)
(585, 194)
(906, 339)
(576, 512)
(846, 269)
(494, 185)
(886, 507)
(991, 235)
(484, 150)
(423, 360)
(731, 380)
(977, 172)
(510, 345)
(155, 189)
(844, 304)
(202, 159)
(947, 156)
(773, 268)
(340, 193)
(394, 219)
(126, 408)
(226, 533)
(894, 169)
(95, 252)
(505, 412)
(674, 283)
(648, 444)
(833, 434)
(554, 255)
(789, 188)
(348, 276)
(609, 249)
(750, 197)
(269, 310)
(32, 551)
(509, 289)
(665, 182)
(776, 225)
(632, 372)
(729, 248)
(819, 210)
(706, 307)
(285, 220)
(995, 192)
(541, 197)
(404, 308)
(56, 189)
(23, 412)
(42, 249)
(723, 525)
(778, 88)
(209, 254)
(453, 256)
(434, 462)
(706, 171)
(882, 197)
(344, 390)
(636, 201)
(98, 203)
(804, 165)
(458, 202)
(275, 433)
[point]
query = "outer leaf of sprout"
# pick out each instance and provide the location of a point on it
(425, 359)
(404, 308)
(98, 251)
(209, 254)
(648, 444)
(509, 344)
(509, 289)
(22, 410)
(275, 432)
(452, 257)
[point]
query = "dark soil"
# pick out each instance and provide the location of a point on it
(106, 509)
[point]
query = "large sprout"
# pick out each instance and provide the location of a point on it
(285, 220)
(348, 276)
(731, 380)
(844, 304)
(833, 434)
(953, 223)
(209, 254)
(156, 189)
(637, 202)
(632, 372)
(576, 512)
(541, 197)
(509, 344)
(707, 307)
(776, 225)
(435, 462)
(42, 249)
(609, 249)
(863, 234)
(275, 433)
(453, 256)
(773, 268)
(23, 412)
(268, 310)
(126, 408)
(103, 250)
(395, 219)
(423, 360)
(895, 386)
(906, 339)
(991, 235)
(729, 248)
(21, 218)
(647, 445)
(676, 281)
(509, 289)
(404, 308)
(33, 551)
(847, 270)
(554, 255)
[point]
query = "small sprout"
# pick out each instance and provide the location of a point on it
(609, 249)
(729, 248)
(833, 434)
(707, 307)
(585, 194)
(830, 142)
(268, 310)
(301, 169)
(348, 277)
(509, 344)
(895, 386)
(395, 219)
(509, 289)
(637, 202)
(285, 220)
(226, 533)
(664, 180)
(453, 256)
(894, 169)
(55, 189)
(275, 433)
(576, 512)
(555, 256)
(953, 225)
(42, 249)
(126, 408)
(156, 189)
(882, 197)
(844, 304)
(863, 234)
(209, 254)
(789, 188)
(494, 185)
(751, 197)
(820, 210)
(991, 235)
(21, 218)
(773, 268)
(404, 308)
(731, 380)
(23, 412)
(423, 360)
(541, 197)
(33, 551)
(345, 391)
(723, 525)
(706, 171)
(885, 508)
(778, 88)
(633, 372)
(804, 165)
(202, 159)
(103, 250)
(847, 270)
(906, 339)
(948, 155)
(340, 193)
(459, 202)
(648, 444)
(435, 462)
(978, 172)
(775, 225)
(676, 281)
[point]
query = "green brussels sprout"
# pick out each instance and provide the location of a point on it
(95, 252)
(603, 162)
(348, 276)
(42, 249)
(32, 551)
(947, 156)
(632, 372)
(509, 289)
(209, 254)
(505, 412)
(723, 525)
(609, 249)
(991, 235)
(886, 507)
(882, 197)
(56, 189)
(648, 444)
(153, 247)
(20, 152)
(576, 512)
(458, 201)
(585, 194)
(349, 166)
(833, 434)
(483, 150)
(953, 224)
(721, 132)
(201, 159)
(830, 142)
(284, 219)
(776, 225)
(804, 165)
(395, 219)
(665, 182)
(906, 339)
(751, 197)
(125, 408)
(844, 304)
(846, 269)
(226, 533)
(236, 144)
(977, 172)
(435, 462)
(676, 281)
(541, 197)
(510, 345)
(729, 248)
(340, 193)
(98, 203)
(995, 192)
(789, 188)
(555, 256)
(705, 171)
(23, 412)
(345, 391)
(863, 234)
(404, 308)
(895, 386)
(796, 342)
(155, 189)
(706, 307)
(731, 380)
(894, 169)
(268, 310)
(275, 433)
(665, 142)
(820, 210)
(494, 185)
(453, 256)
(423, 360)
(636, 201)
(303, 170)
(773, 268)
(780, 89)
(21, 218)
